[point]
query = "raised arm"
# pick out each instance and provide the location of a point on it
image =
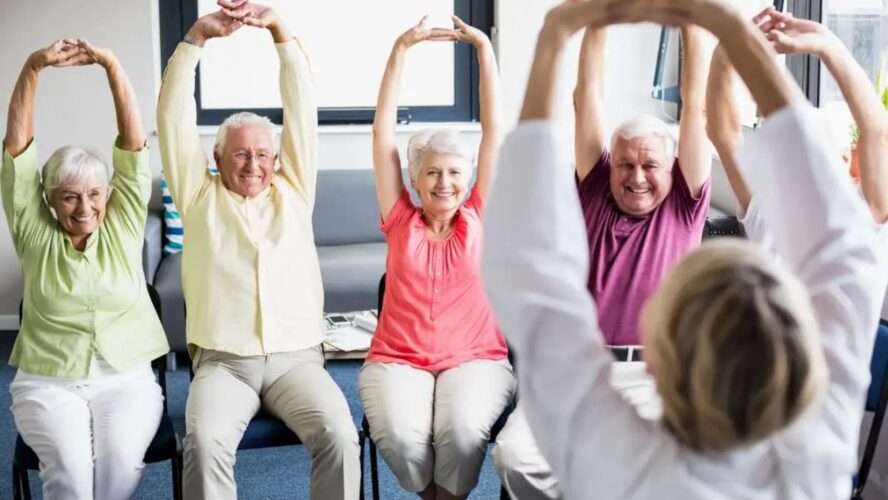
(792, 36)
(589, 141)
(184, 160)
(694, 152)
(21, 191)
(490, 106)
(20, 118)
(386, 161)
(299, 137)
(126, 107)
(723, 123)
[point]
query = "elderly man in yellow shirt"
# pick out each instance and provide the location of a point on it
(250, 271)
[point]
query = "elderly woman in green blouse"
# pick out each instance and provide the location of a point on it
(84, 397)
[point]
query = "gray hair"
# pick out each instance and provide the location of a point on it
(74, 165)
(439, 141)
(238, 120)
(646, 126)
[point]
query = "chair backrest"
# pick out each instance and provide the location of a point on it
(723, 226)
(380, 295)
(878, 370)
(876, 402)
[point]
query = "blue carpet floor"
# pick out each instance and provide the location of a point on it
(270, 474)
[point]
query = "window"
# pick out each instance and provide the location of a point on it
(863, 27)
(348, 54)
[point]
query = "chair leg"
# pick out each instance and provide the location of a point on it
(374, 470)
(16, 485)
(20, 482)
(176, 472)
(362, 438)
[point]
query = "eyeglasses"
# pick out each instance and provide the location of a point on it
(259, 156)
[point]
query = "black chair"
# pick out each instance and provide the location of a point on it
(166, 444)
(267, 431)
(365, 425)
(876, 403)
(723, 226)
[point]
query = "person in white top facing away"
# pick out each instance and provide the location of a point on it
(801, 36)
(761, 363)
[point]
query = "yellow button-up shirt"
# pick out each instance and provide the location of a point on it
(250, 271)
(76, 302)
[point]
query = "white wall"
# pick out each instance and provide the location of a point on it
(73, 105)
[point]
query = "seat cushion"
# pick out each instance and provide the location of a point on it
(168, 283)
(351, 275)
(266, 431)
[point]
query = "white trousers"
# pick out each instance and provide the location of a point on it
(90, 434)
(524, 471)
(435, 427)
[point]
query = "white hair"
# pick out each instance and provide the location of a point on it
(238, 120)
(646, 126)
(439, 141)
(74, 165)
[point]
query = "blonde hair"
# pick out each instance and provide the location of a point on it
(74, 165)
(238, 120)
(440, 141)
(644, 126)
(735, 347)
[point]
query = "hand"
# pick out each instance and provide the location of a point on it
(789, 35)
(250, 14)
(469, 34)
(217, 24)
(61, 53)
(103, 57)
(422, 32)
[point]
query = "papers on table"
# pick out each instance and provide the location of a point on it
(353, 337)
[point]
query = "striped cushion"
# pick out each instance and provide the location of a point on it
(173, 233)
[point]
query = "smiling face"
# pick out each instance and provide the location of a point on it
(641, 174)
(247, 162)
(80, 207)
(442, 183)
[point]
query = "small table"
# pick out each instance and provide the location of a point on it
(350, 341)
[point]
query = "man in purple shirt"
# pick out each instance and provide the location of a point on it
(644, 209)
(645, 197)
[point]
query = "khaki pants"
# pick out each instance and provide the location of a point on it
(226, 393)
(521, 466)
(435, 427)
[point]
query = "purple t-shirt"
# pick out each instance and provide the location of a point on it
(628, 256)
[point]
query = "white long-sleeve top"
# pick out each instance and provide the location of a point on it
(535, 268)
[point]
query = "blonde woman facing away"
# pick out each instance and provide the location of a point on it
(436, 377)
(84, 397)
(762, 366)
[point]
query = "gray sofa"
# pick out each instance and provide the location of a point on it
(351, 250)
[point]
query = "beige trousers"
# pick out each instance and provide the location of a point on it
(521, 466)
(435, 427)
(226, 393)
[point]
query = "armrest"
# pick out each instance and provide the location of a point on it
(152, 247)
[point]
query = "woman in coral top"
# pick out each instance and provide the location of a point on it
(437, 376)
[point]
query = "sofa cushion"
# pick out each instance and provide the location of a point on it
(168, 283)
(345, 208)
(351, 275)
